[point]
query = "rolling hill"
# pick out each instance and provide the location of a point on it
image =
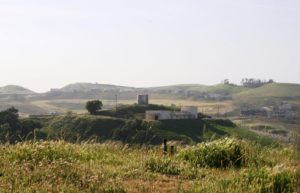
(14, 89)
(269, 94)
(86, 87)
(272, 90)
(73, 96)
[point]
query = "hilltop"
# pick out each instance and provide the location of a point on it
(15, 90)
(86, 87)
(194, 90)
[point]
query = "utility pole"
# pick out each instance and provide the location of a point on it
(218, 111)
(116, 102)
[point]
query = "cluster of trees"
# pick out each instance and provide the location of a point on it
(227, 82)
(251, 82)
(13, 129)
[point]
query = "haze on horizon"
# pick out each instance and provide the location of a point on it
(51, 43)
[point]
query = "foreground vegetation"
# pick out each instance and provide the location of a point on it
(224, 165)
(75, 128)
(97, 153)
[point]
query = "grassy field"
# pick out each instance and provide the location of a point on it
(269, 94)
(226, 165)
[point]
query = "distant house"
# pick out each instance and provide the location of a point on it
(216, 96)
(283, 110)
(158, 115)
(254, 111)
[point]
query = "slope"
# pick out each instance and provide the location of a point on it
(269, 94)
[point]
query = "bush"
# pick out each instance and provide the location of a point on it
(93, 106)
(221, 153)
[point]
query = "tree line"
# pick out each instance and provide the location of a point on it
(250, 82)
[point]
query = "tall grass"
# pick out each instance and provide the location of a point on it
(225, 165)
(219, 153)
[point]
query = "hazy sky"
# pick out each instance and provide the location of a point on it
(49, 43)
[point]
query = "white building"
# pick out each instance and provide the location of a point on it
(158, 115)
(188, 112)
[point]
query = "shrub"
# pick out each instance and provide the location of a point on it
(219, 153)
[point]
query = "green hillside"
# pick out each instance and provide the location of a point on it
(269, 93)
(196, 87)
(70, 127)
(219, 88)
(226, 89)
(273, 90)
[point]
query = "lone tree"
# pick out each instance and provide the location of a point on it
(93, 106)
